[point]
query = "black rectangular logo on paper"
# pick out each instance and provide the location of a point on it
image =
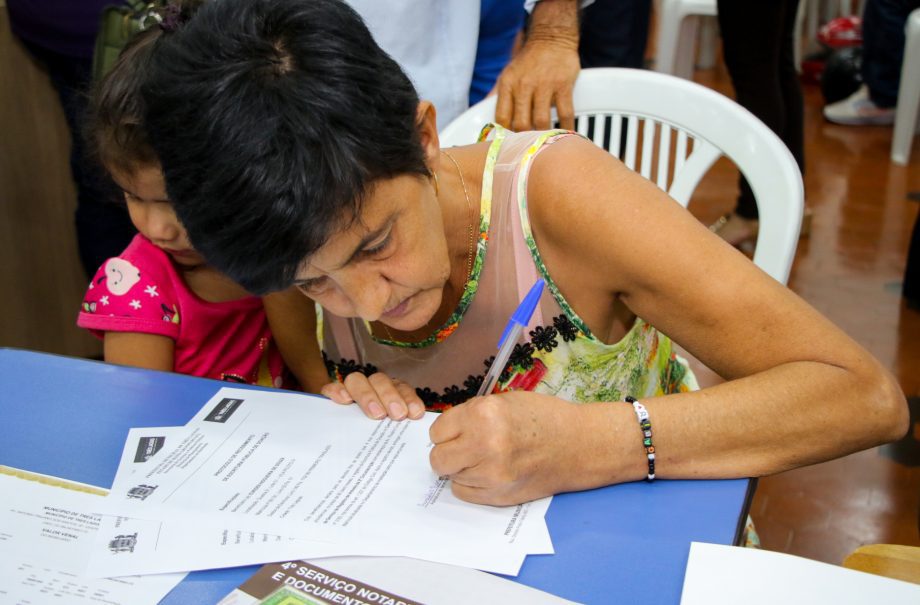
(147, 447)
(223, 410)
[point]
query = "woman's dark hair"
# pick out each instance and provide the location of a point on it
(272, 119)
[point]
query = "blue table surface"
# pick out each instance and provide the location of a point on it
(626, 543)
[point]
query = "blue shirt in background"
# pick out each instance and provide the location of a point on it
(499, 23)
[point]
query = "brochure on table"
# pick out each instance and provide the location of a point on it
(383, 580)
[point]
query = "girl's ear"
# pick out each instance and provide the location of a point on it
(427, 120)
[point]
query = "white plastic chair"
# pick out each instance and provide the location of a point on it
(682, 23)
(671, 131)
(678, 30)
(905, 117)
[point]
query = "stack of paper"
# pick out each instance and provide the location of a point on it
(47, 532)
(262, 476)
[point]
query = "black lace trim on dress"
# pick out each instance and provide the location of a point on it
(543, 338)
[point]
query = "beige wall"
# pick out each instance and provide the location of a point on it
(41, 282)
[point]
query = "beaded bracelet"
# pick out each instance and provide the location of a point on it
(646, 426)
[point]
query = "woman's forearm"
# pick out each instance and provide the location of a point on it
(752, 427)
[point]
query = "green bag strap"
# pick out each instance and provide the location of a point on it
(118, 23)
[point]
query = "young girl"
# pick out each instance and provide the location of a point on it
(159, 305)
(284, 114)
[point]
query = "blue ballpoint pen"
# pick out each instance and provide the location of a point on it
(519, 320)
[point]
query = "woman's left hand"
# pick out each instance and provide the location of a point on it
(511, 448)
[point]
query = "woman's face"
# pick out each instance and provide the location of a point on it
(391, 265)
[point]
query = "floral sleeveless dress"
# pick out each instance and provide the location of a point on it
(557, 354)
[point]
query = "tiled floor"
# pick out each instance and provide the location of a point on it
(850, 268)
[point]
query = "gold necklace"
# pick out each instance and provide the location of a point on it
(469, 208)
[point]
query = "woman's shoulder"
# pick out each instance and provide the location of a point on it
(581, 200)
(558, 150)
(571, 176)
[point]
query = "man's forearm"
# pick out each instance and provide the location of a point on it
(554, 21)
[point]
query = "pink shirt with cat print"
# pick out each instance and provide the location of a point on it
(141, 291)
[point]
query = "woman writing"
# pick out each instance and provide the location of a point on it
(328, 175)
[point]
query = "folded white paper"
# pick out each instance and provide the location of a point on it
(718, 575)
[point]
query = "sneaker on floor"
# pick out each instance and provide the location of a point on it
(859, 110)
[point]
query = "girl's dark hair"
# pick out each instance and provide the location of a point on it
(115, 116)
(272, 119)
(114, 122)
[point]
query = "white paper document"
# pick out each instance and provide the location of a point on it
(297, 466)
(161, 547)
(727, 575)
(47, 530)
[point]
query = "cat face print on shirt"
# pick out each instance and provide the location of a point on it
(120, 276)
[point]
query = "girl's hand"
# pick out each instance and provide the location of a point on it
(378, 396)
(515, 447)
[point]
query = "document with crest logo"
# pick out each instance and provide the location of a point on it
(293, 465)
(130, 546)
(47, 530)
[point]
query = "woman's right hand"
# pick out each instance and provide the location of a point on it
(378, 396)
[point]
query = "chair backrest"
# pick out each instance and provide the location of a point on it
(671, 131)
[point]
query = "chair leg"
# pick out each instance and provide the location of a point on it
(812, 18)
(685, 53)
(905, 121)
(708, 40)
(678, 29)
(668, 34)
